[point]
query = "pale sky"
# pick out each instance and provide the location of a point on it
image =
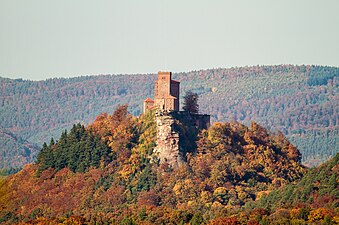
(41, 39)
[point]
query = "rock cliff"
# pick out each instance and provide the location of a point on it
(167, 149)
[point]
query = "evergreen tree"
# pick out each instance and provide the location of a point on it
(78, 150)
(46, 158)
(191, 102)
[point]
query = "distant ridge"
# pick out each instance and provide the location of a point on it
(25, 151)
(300, 101)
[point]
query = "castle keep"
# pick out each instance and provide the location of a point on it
(166, 94)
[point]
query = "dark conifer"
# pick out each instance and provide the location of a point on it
(191, 102)
(78, 150)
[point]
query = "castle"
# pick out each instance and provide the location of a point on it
(166, 94)
(171, 147)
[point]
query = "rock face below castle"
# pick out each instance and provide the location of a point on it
(167, 149)
(176, 135)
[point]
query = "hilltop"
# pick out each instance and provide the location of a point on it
(107, 172)
(300, 101)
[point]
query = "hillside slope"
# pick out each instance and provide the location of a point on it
(122, 182)
(318, 184)
(313, 200)
(300, 101)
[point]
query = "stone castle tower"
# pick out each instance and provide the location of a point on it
(166, 94)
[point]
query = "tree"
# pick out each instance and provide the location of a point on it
(191, 102)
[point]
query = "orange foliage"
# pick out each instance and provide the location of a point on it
(224, 221)
(319, 214)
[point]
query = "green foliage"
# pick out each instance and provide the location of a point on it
(147, 179)
(197, 219)
(9, 171)
(127, 221)
(147, 131)
(8, 217)
(79, 150)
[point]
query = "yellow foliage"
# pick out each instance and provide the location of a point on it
(216, 205)
(177, 188)
(260, 194)
(242, 195)
(4, 198)
(205, 196)
(126, 172)
(72, 221)
(185, 190)
(318, 214)
(335, 219)
(43, 221)
(220, 191)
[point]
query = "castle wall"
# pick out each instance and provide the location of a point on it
(155, 89)
(175, 92)
(160, 103)
(200, 121)
(148, 105)
(169, 103)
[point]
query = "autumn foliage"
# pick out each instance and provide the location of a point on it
(231, 171)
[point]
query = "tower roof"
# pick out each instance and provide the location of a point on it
(171, 96)
(175, 81)
(148, 100)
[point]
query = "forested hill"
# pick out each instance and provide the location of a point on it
(108, 173)
(300, 101)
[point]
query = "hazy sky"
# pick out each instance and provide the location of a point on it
(40, 39)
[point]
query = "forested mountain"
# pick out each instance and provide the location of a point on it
(24, 151)
(108, 173)
(300, 101)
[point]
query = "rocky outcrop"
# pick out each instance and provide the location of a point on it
(177, 133)
(167, 149)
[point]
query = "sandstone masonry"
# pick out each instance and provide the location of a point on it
(166, 93)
